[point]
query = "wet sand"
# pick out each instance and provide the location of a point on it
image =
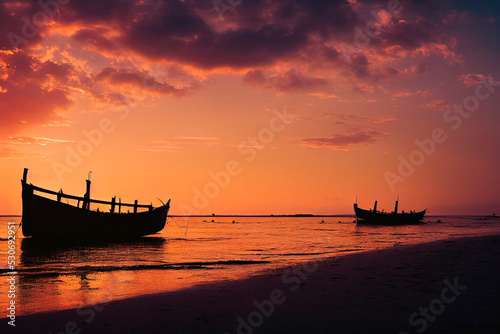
(450, 286)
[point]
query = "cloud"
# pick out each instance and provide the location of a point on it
(359, 65)
(37, 140)
(179, 143)
(96, 11)
(31, 91)
(258, 33)
(203, 48)
(9, 153)
(406, 93)
(122, 77)
(476, 79)
(95, 39)
(288, 46)
(289, 81)
(436, 105)
(162, 147)
(342, 142)
(407, 35)
(354, 120)
(14, 31)
(134, 84)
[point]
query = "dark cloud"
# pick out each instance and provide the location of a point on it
(254, 35)
(21, 68)
(95, 39)
(423, 67)
(327, 17)
(207, 49)
(359, 65)
(261, 32)
(60, 72)
(254, 77)
(408, 36)
(97, 11)
(122, 76)
(354, 121)
(16, 24)
(141, 80)
(22, 23)
(289, 81)
(338, 142)
(330, 54)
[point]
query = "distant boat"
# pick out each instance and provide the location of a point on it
(385, 218)
(44, 218)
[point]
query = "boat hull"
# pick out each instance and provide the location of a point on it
(48, 219)
(370, 217)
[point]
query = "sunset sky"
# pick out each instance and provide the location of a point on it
(254, 106)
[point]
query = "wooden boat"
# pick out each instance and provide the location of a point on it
(385, 218)
(52, 219)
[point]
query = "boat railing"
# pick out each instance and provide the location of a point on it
(113, 203)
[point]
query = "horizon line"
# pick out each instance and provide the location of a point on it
(297, 215)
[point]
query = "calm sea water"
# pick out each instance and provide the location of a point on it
(60, 277)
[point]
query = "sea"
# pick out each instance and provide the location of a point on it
(196, 250)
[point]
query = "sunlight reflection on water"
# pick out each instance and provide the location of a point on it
(59, 277)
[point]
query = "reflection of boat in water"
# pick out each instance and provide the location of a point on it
(39, 252)
(385, 218)
(52, 219)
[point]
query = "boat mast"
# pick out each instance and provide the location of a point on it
(356, 206)
(25, 176)
(86, 198)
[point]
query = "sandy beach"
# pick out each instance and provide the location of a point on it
(449, 286)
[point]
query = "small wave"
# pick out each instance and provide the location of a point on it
(325, 229)
(208, 239)
(300, 254)
(349, 250)
(167, 266)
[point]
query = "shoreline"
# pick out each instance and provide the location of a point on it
(381, 287)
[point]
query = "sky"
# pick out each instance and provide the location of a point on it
(254, 107)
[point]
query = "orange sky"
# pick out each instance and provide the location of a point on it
(270, 107)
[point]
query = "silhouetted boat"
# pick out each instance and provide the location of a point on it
(52, 219)
(385, 218)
